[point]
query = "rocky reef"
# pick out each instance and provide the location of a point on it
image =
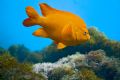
(90, 66)
(97, 59)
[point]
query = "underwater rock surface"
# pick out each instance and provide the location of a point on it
(74, 64)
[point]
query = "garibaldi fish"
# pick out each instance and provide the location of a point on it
(64, 28)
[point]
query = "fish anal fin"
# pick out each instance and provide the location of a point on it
(61, 46)
(40, 33)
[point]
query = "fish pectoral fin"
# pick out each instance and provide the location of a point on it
(40, 33)
(61, 46)
(67, 32)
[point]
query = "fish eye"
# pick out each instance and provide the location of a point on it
(85, 33)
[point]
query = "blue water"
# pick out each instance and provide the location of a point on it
(104, 14)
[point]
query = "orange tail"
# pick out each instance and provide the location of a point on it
(33, 17)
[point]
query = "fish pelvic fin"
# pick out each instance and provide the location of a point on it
(40, 33)
(34, 17)
(46, 9)
(61, 46)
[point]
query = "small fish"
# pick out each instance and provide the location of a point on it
(64, 28)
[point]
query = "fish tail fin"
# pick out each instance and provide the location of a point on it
(34, 17)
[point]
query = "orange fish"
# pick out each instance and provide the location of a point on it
(65, 28)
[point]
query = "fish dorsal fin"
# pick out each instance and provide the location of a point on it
(40, 33)
(61, 46)
(46, 9)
